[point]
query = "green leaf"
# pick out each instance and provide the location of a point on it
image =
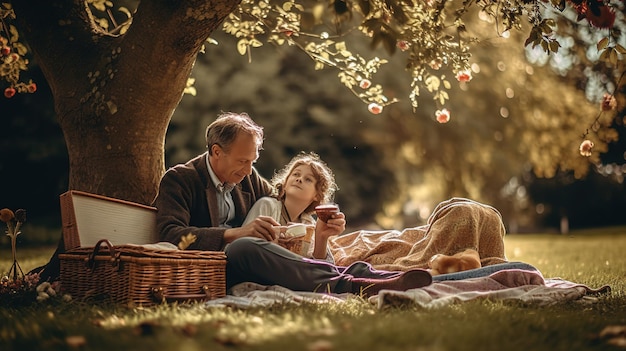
(554, 46)
(102, 22)
(345, 53)
(125, 11)
(432, 83)
(242, 46)
(442, 99)
(603, 43)
(15, 36)
(546, 29)
(21, 49)
(190, 90)
(112, 107)
(532, 38)
(613, 56)
(444, 95)
(604, 56)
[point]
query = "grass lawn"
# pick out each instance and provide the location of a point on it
(592, 257)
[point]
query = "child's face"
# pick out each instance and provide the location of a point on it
(301, 184)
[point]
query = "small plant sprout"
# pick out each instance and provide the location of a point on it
(13, 222)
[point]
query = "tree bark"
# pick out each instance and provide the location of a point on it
(114, 95)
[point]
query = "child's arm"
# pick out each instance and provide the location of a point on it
(324, 230)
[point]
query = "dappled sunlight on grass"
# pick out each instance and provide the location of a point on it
(239, 327)
(592, 258)
(588, 257)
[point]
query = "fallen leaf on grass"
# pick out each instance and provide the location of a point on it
(76, 341)
(320, 345)
(614, 335)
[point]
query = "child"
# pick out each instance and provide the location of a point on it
(305, 182)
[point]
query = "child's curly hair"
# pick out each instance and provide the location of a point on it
(324, 176)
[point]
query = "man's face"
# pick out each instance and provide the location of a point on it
(233, 165)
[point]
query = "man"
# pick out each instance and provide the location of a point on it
(201, 205)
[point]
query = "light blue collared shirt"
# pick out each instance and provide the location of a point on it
(224, 198)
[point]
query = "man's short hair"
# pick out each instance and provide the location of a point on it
(225, 128)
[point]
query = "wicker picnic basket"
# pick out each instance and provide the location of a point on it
(136, 275)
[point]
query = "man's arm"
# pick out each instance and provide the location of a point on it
(183, 216)
(259, 226)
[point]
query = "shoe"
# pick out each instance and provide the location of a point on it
(412, 279)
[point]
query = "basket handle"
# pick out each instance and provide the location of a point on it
(159, 295)
(91, 259)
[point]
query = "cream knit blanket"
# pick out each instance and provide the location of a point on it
(455, 225)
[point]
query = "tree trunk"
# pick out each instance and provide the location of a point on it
(114, 95)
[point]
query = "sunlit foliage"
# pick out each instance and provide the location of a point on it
(439, 45)
(430, 34)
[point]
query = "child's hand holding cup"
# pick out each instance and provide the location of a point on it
(324, 212)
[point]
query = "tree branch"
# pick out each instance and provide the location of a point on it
(181, 25)
(60, 33)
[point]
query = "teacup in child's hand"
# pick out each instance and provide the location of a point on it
(324, 212)
(279, 231)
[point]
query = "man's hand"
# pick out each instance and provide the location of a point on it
(262, 227)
